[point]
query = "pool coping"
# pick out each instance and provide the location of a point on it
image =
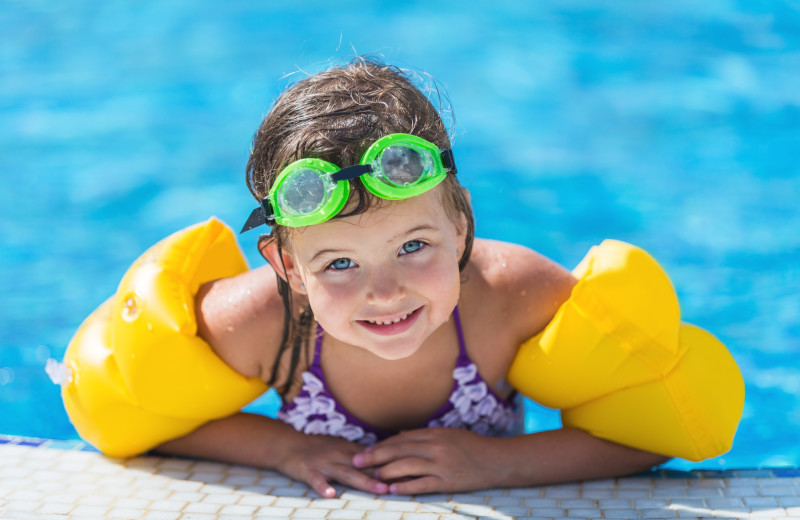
(761, 472)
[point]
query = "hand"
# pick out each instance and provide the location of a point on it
(434, 460)
(319, 459)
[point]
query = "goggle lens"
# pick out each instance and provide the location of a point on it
(303, 192)
(403, 165)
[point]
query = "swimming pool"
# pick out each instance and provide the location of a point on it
(674, 127)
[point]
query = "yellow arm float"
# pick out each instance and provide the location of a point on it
(140, 374)
(620, 365)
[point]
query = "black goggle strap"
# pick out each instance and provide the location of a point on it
(262, 215)
(353, 172)
(449, 161)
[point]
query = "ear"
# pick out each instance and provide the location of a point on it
(284, 265)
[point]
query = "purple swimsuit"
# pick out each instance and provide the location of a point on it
(472, 404)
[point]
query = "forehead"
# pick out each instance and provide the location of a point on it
(386, 218)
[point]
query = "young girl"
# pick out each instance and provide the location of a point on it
(389, 329)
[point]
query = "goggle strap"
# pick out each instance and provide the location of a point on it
(449, 161)
(262, 215)
(351, 172)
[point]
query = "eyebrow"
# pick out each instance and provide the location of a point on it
(415, 229)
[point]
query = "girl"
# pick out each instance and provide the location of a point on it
(389, 329)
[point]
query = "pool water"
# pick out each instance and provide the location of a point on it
(674, 126)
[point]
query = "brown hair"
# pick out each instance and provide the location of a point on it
(335, 115)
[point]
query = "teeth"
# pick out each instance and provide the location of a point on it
(398, 320)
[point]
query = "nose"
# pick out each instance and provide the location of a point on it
(385, 286)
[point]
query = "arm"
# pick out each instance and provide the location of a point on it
(447, 460)
(255, 440)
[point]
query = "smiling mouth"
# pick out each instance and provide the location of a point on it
(394, 326)
(398, 320)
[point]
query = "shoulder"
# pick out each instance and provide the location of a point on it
(242, 319)
(522, 287)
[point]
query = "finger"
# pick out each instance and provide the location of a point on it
(356, 479)
(427, 484)
(320, 485)
(408, 467)
(384, 453)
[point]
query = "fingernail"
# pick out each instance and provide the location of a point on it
(381, 488)
(393, 489)
(358, 460)
(330, 492)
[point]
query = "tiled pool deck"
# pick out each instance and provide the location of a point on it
(45, 479)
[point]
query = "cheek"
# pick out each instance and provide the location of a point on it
(330, 299)
(442, 280)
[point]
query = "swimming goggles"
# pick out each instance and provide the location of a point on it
(311, 191)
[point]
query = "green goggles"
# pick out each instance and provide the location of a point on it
(310, 191)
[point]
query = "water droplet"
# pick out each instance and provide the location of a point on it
(6, 376)
(59, 373)
(131, 307)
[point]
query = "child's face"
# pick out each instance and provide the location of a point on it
(383, 280)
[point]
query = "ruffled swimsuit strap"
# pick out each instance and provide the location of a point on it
(463, 357)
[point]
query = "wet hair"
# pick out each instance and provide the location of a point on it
(335, 115)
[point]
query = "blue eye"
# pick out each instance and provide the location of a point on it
(412, 246)
(341, 264)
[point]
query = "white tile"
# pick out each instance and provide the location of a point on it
(365, 505)
(384, 515)
(202, 507)
(220, 498)
(327, 503)
(347, 514)
(564, 491)
(197, 516)
(656, 513)
(621, 513)
(437, 507)
(277, 512)
(421, 516)
(132, 503)
(395, 505)
(55, 508)
(299, 491)
(505, 501)
(184, 485)
(187, 496)
(162, 515)
(260, 500)
(760, 502)
(615, 503)
(310, 513)
(167, 505)
(291, 502)
(92, 511)
(531, 492)
(125, 514)
(584, 513)
(238, 510)
(547, 512)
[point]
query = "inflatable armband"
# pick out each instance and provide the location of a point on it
(620, 365)
(140, 375)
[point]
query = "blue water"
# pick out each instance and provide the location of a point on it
(672, 125)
